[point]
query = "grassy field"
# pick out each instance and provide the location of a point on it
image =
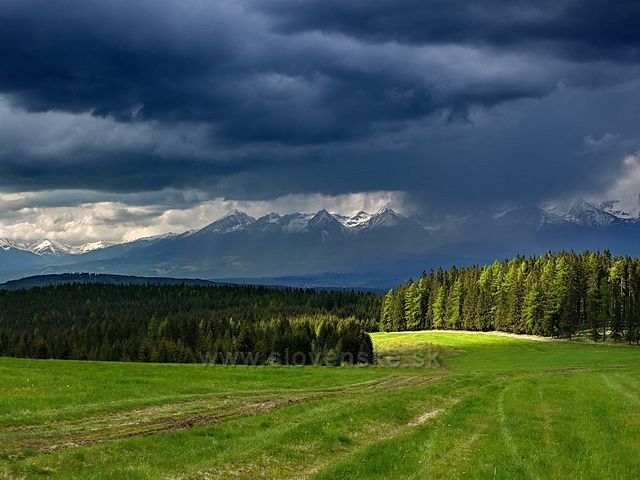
(499, 407)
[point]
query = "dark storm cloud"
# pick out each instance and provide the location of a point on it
(578, 29)
(221, 63)
(481, 101)
(113, 58)
(131, 172)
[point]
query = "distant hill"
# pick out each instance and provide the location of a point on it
(64, 278)
(319, 283)
(326, 281)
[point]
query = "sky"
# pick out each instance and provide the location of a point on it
(123, 119)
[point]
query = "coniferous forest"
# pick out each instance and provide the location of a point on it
(594, 295)
(558, 294)
(185, 323)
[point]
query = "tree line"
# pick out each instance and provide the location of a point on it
(558, 295)
(186, 323)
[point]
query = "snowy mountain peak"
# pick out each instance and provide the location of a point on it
(386, 210)
(532, 217)
(272, 217)
(49, 247)
(356, 220)
(386, 217)
(584, 213)
(6, 244)
(294, 222)
(581, 205)
(593, 215)
(268, 222)
(300, 222)
(323, 215)
(231, 222)
(323, 219)
(613, 207)
(326, 224)
(91, 246)
(233, 213)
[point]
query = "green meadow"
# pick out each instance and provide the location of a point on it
(496, 406)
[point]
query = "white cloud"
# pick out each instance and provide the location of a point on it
(627, 188)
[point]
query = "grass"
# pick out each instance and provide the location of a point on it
(500, 407)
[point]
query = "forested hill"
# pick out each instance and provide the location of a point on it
(559, 294)
(182, 323)
(61, 278)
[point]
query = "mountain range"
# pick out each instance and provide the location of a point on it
(52, 247)
(325, 249)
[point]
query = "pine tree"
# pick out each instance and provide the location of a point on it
(616, 274)
(592, 295)
(439, 308)
(413, 307)
(604, 306)
(483, 311)
(453, 307)
(551, 307)
(560, 295)
(392, 312)
(533, 308)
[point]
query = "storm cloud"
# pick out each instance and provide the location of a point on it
(456, 105)
(585, 30)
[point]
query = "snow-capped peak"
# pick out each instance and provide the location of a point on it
(386, 210)
(91, 246)
(294, 222)
(530, 216)
(584, 213)
(613, 207)
(323, 220)
(270, 222)
(272, 217)
(356, 220)
(6, 244)
(323, 216)
(231, 222)
(50, 247)
(386, 217)
(235, 213)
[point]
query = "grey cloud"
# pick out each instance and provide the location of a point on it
(583, 30)
(461, 105)
(221, 63)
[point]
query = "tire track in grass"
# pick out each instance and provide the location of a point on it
(463, 447)
(620, 388)
(506, 433)
(116, 407)
(171, 407)
(176, 416)
(257, 467)
(417, 423)
(34, 420)
(380, 437)
(546, 420)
